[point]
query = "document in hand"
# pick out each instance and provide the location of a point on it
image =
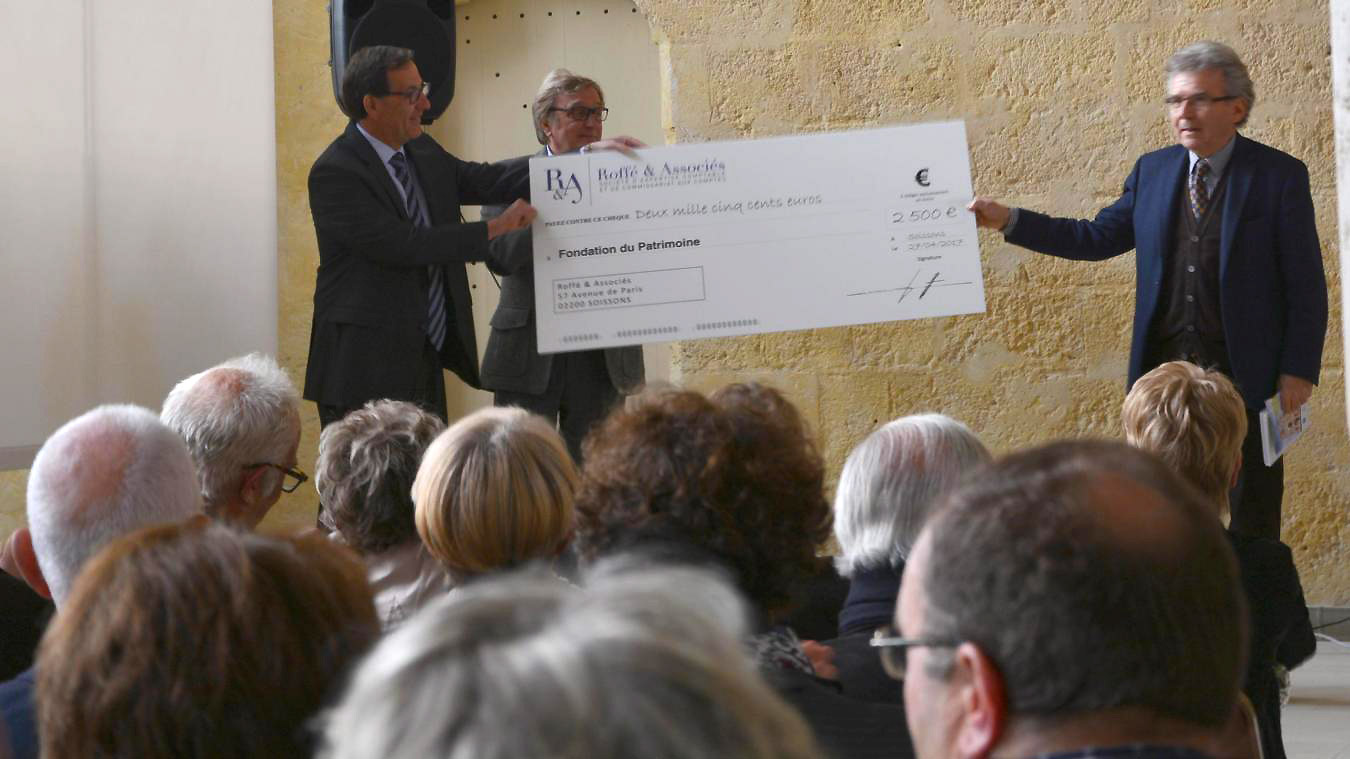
(732, 238)
(1280, 430)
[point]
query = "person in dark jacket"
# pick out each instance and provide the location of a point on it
(889, 485)
(1194, 420)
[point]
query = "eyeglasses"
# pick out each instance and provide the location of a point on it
(1201, 100)
(892, 649)
(582, 113)
(412, 95)
(293, 478)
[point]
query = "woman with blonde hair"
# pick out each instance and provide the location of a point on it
(494, 491)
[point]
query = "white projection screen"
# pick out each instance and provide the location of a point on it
(138, 221)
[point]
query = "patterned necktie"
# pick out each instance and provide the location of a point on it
(435, 324)
(1200, 188)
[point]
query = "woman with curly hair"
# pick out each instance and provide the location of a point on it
(732, 480)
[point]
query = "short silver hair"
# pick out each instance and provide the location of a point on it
(367, 464)
(645, 663)
(241, 412)
(103, 474)
(890, 483)
(1200, 56)
(558, 82)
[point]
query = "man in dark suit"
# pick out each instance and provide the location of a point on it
(391, 304)
(1229, 268)
(575, 388)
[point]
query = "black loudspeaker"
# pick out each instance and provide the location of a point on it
(425, 26)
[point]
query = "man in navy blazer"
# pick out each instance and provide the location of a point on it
(391, 302)
(1229, 270)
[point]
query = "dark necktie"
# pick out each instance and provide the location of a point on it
(1200, 188)
(435, 325)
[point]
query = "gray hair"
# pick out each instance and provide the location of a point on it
(892, 481)
(1200, 56)
(558, 82)
(367, 463)
(638, 663)
(242, 412)
(103, 474)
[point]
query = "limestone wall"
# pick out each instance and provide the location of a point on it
(1059, 99)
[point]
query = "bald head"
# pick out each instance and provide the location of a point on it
(103, 474)
(241, 423)
(1094, 578)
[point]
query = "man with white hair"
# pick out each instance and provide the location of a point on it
(241, 422)
(890, 484)
(106, 473)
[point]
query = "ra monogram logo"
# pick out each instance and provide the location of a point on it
(562, 187)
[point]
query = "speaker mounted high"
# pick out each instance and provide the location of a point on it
(427, 27)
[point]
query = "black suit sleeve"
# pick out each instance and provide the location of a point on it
(347, 206)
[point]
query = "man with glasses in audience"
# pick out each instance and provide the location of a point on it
(1228, 266)
(391, 302)
(573, 389)
(1078, 600)
(241, 423)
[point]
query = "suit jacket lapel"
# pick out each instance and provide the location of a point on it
(376, 168)
(1240, 172)
(1164, 201)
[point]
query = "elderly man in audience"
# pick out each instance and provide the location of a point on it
(889, 485)
(367, 464)
(639, 663)
(103, 474)
(1195, 420)
(1077, 600)
(495, 491)
(201, 640)
(241, 421)
(733, 481)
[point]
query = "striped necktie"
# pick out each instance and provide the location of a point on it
(1200, 189)
(435, 324)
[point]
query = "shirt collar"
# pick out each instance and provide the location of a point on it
(381, 149)
(1217, 162)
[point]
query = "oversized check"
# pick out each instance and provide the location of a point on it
(731, 238)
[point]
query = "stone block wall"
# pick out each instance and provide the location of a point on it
(1059, 97)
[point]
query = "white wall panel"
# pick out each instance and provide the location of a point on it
(138, 209)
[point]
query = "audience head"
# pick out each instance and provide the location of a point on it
(1194, 420)
(555, 123)
(891, 482)
(198, 639)
(367, 463)
(735, 475)
(495, 490)
(103, 474)
(1077, 589)
(635, 664)
(241, 421)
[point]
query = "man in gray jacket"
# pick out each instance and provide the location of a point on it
(576, 389)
